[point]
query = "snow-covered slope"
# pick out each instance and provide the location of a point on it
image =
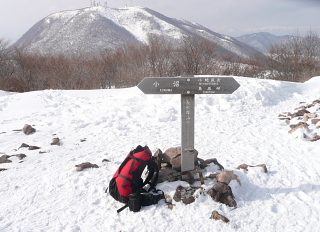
(262, 41)
(46, 193)
(93, 29)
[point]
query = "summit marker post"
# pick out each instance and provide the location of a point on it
(187, 87)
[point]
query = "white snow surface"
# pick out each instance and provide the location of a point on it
(133, 19)
(130, 19)
(45, 192)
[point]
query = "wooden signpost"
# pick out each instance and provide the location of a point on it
(187, 87)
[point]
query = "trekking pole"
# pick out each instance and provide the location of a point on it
(122, 208)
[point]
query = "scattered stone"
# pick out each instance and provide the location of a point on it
(300, 125)
(166, 174)
(282, 116)
(205, 163)
(161, 158)
(292, 126)
(316, 102)
(226, 177)
(301, 112)
(27, 129)
(30, 147)
(4, 159)
(185, 194)
(21, 156)
(264, 167)
(173, 155)
(55, 141)
(82, 166)
(303, 116)
(83, 140)
(285, 119)
(157, 152)
(213, 175)
(202, 164)
(315, 120)
(221, 192)
(106, 160)
(168, 199)
(170, 162)
(315, 138)
(312, 115)
(245, 167)
(173, 152)
(23, 145)
(301, 107)
(176, 163)
(309, 115)
(34, 148)
(215, 215)
(3, 169)
(3, 132)
(42, 152)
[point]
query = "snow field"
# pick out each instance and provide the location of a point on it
(46, 193)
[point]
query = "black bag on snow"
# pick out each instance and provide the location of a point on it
(127, 185)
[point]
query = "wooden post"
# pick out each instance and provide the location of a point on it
(187, 132)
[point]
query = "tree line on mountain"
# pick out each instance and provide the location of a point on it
(295, 60)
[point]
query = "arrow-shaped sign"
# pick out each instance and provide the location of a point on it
(188, 85)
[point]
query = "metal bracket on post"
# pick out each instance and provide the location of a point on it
(190, 174)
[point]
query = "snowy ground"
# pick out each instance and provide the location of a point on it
(46, 193)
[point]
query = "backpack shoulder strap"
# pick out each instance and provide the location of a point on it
(153, 175)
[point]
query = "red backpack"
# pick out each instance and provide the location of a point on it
(127, 185)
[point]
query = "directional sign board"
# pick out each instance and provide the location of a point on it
(188, 87)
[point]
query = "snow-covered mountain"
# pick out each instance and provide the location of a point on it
(92, 29)
(261, 41)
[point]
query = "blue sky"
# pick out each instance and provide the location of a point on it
(228, 17)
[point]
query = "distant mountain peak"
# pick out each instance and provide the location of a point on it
(93, 29)
(261, 41)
